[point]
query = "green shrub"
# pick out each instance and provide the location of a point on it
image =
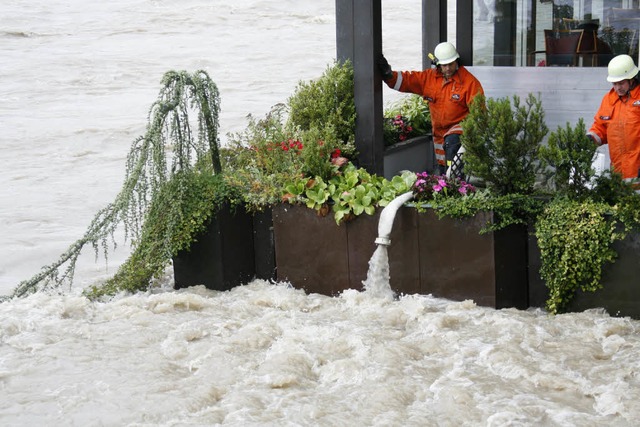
(326, 104)
(502, 142)
(569, 156)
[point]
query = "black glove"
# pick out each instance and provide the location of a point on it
(385, 68)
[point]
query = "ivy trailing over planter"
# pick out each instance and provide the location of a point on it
(179, 212)
(157, 205)
(575, 239)
(586, 215)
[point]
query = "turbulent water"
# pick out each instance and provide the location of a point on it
(78, 78)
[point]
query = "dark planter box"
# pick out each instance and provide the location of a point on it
(311, 251)
(620, 295)
(235, 248)
(415, 154)
(264, 245)
(447, 258)
(458, 263)
(319, 256)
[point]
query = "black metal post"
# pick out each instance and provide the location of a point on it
(359, 39)
(434, 27)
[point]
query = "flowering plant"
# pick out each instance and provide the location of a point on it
(406, 118)
(397, 129)
(277, 156)
(432, 187)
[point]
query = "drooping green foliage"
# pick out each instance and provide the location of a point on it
(182, 132)
(575, 233)
(575, 243)
(179, 212)
(586, 215)
(502, 141)
(569, 155)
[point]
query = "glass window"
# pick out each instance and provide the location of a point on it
(574, 33)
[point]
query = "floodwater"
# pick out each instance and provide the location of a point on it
(77, 79)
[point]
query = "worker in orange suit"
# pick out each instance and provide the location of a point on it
(617, 121)
(449, 88)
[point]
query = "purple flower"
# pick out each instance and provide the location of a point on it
(427, 187)
(442, 184)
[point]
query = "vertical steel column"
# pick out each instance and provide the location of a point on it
(464, 31)
(359, 39)
(434, 27)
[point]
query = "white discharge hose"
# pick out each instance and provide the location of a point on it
(388, 215)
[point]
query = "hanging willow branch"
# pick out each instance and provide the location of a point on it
(185, 100)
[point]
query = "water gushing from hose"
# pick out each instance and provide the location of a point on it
(378, 278)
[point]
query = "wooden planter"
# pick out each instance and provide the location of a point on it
(447, 258)
(312, 252)
(620, 295)
(415, 154)
(235, 248)
(457, 262)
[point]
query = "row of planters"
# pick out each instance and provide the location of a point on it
(285, 200)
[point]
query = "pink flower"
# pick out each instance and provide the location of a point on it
(427, 187)
(339, 161)
(441, 185)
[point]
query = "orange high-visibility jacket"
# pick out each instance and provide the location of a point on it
(448, 100)
(617, 123)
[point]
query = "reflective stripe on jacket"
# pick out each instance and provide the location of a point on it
(617, 123)
(448, 100)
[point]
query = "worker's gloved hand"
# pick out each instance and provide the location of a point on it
(385, 68)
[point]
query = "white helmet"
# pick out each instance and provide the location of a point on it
(621, 68)
(445, 53)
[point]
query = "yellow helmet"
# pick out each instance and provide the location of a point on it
(445, 53)
(621, 68)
